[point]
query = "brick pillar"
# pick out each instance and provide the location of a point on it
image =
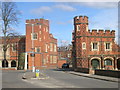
(102, 62)
(9, 64)
(115, 64)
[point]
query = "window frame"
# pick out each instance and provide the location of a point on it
(97, 46)
(33, 36)
(83, 44)
(110, 49)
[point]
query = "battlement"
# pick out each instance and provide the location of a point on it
(81, 20)
(38, 21)
(102, 32)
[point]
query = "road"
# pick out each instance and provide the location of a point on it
(13, 79)
(57, 79)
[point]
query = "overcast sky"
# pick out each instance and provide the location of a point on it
(102, 15)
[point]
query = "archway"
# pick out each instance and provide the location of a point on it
(118, 64)
(108, 63)
(4, 63)
(95, 64)
(13, 63)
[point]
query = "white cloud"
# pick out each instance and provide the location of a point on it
(41, 10)
(65, 7)
(46, 9)
(100, 4)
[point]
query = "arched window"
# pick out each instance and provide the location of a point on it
(4, 63)
(95, 63)
(13, 63)
(108, 62)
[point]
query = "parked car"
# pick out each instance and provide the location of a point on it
(65, 65)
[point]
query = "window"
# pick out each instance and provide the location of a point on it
(108, 62)
(108, 46)
(55, 48)
(40, 39)
(37, 50)
(46, 48)
(47, 58)
(51, 48)
(95, 46)
(54, 59)
(50, 58)
(69, 55)
(44, 61)
(46, 29)
(34, 36)
(14, 47)
(78, 28)
(83, 45)
(40, 32)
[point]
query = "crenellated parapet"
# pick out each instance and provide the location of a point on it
(38, 21)
(81, 20)
(101, 32)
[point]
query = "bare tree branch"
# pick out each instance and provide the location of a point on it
(9, 18)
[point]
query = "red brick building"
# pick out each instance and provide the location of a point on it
(95, 49)
(16, 46)
(64, 52)
(41, 43)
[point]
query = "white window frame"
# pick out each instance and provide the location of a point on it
(40, 32)
(32, 36)
(46, 29)
(51, 60)
(78, 27)
(110, 46)
(40, 39)
(51, 47)
(97, 46)
(54, 59)
(46, 48)
(55, 48)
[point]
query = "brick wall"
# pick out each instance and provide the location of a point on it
(44, 38)
(83, 36)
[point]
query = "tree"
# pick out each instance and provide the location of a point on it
(9, 18)
(21, 61)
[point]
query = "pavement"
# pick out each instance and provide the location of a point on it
(112, 79)
(31, 75)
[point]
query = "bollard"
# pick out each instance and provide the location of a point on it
(37, 74)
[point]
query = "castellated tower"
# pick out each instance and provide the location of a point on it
(92, 49)
(40, 42)
(80, 39)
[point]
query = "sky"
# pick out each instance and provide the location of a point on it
(102, 15)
